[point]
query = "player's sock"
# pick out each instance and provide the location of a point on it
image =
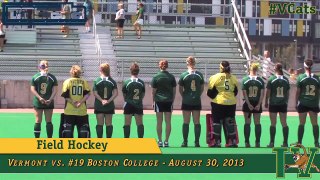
(37, 130)
(285, 131)
(300, 133)
(185, 132)
(258, 132)
(272, 133)
(316, 133)
(126, 131)
(197, 132)
(247, 132)
(140, 131)
(109, 130)
(99, 129)
(49, 128)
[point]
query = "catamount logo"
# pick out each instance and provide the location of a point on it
(304, 162)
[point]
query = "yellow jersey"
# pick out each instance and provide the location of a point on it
(76, 89)
(225, 85)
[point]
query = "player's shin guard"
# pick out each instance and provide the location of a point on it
(233, 138)
(316, 133)
(185, 132)
(216, 135)
(197, 132)
(49, 128)
(140, 131)
(258, 132)
(285, 131)
(84, 131)
(300, 133)
(272, 133)
(37, 130)
(247, 130)
(99, 129)
(126, 131)
(67, 131)
(109, 130)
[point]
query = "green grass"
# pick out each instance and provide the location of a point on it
(20, 125)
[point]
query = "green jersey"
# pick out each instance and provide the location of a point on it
(140, 13)
(309, 90)
(279, 90)
(133, 91)
(43, 84)
(164, 82)
(104, 87)
(191, 81)
(253, 86)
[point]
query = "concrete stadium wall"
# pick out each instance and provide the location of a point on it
(16, 94)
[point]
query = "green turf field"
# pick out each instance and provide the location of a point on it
(20, 125)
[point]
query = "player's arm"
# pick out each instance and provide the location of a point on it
(143, 93)
(86, 93)
(298, 91)
(266, 103)
(212, 91)
(245, 96)
(54, 92)
(114, 94)
(260, 99)
(97, 96)
(201, 88)
(35, 93)
(85, 98)
(297, 96)
(153, 85)
(173, 94)
(154, 90)
(181, 90)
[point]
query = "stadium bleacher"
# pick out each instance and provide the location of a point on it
(209, 45)
(26, 47)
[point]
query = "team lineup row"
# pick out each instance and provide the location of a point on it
(222, 89)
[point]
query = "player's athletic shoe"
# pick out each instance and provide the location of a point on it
(232, 144)
(271, 145)
(166, 144)
(196, 144)
(284, 145)
(184, 144)
(257, 144)
(160, 144)
(316, 144)
(247, 145)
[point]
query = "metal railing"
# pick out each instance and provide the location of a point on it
(96, 37)
(240, 31)
(167, 13)
(149, 68)
(268, 68)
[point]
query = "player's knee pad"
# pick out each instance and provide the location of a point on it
(67, 131)
(84, 131)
